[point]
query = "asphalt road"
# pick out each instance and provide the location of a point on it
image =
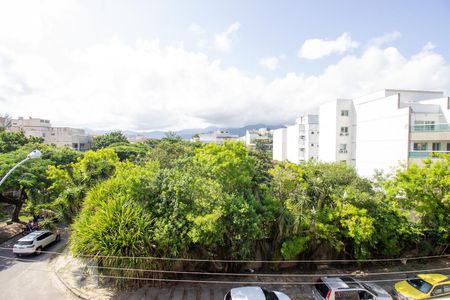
(32, 277)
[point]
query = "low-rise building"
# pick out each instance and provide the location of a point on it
(217, 136)
(261, 138)
(74, 138)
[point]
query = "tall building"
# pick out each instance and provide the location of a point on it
(299, 142)
(74, 138)
(385, 129)
(337, 127)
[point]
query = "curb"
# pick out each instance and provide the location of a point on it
(76, 292)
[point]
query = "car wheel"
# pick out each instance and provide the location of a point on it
(58, 238)
(38, 250)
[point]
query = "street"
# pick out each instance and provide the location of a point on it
(30, 277)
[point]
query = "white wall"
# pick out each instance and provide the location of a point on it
(293, 143)
(383, 135)
(279, 144)
(327, 131)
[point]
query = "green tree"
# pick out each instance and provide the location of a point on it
(105, 140)
(29, 183)
(13, 140)
(70, 183)
(424, 193)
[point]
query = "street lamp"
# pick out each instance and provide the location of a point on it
(33, 154)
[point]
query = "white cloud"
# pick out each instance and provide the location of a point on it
(318, 48)
(384, 39)
(153, 86)
(224, 41)
(197, 29)
(271, 63)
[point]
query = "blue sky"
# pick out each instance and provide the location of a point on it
(175, 64)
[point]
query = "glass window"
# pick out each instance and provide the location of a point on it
(322, 288)
(436, 147)
(344, 130)
(420, 146)
(343, 147)
(420, 284)
(448, 146)
(437, 291)
(344, 113)
(446, 288)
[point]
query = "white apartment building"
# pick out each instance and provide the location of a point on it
(217, 136)
(299, 142)
(279, 144)
(385, 129)
(60, 136)
(262, 136)
(337, 121)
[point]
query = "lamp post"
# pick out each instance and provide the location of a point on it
(33, 154)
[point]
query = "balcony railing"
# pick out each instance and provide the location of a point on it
(423, 154)
(430, 127)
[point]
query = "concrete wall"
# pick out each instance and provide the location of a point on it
(328, 131)
(383, 135)
(293, 142)
(279, 151)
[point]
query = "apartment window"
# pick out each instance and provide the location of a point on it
(344, 130)
(312, 145)
(43, 135)
(420, 146)
(344, 113)
(343, 148)
(424, 125)
(312, 132)
(436, 147)
(448, 146)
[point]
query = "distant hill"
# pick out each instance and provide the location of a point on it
(187, 133)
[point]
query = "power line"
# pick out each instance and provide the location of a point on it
(251, 261)
(247, 274)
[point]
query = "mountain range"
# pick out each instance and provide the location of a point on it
(187, 133)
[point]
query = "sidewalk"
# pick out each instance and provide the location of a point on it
(9, 231)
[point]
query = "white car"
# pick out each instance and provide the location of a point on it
(35, 242)
(254, 293)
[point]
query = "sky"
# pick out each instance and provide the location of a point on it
(171, 65)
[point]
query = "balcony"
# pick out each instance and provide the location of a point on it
(424, 154)
(443, 127)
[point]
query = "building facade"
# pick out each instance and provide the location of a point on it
(299, 142)
(385, 129)
(60, 136)
(261, 138)
(217, 136)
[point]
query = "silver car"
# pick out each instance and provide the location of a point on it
(347, 288)
(254, 293)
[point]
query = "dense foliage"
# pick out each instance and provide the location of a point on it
(175, 198)
(105, 140)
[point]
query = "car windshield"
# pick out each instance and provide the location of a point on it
(420, 284)
(270, 295)
(24, 243)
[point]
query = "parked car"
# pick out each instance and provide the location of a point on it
(254, 293)
(424, 286)
(347, 288)
(35, 242)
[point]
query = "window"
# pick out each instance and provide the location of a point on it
(420, 146)
(312, 132)
(312, 145)
(344, 113)
(436, 147)
(446, 288)
(344, 130)
(322, 288)
(448, 146)
(424, 125)
(342, 147)
(437, 291)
